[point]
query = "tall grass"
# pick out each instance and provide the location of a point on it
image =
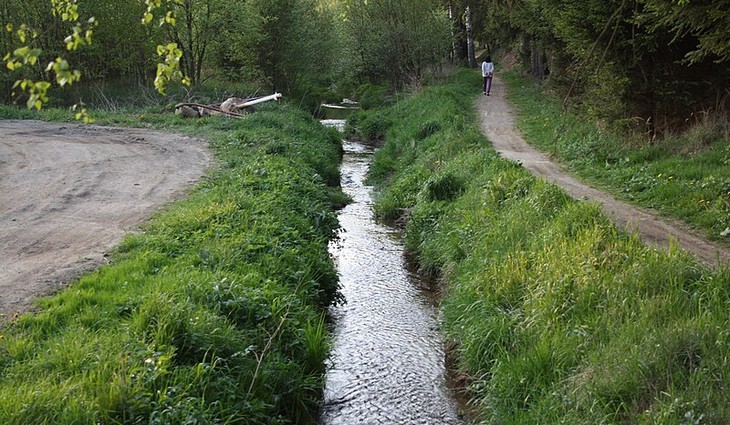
(213, 314)
(684, 175)
(557, 316)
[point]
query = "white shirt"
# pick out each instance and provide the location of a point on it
(487, 68)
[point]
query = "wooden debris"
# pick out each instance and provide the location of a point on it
(231, 107)
(187, 111)
(196, 110)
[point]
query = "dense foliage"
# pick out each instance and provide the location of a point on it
(645, 63)
(557, 316)
(396, 40)
(311, 50)
(214, 313)
(272, 45)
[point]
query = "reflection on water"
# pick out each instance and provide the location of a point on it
(387, 361)
(338, 124)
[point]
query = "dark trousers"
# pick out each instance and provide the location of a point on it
(487, 84)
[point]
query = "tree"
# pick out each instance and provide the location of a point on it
(469, 38)
(656, 59)
(398, 39)
(25, 45)
(194, 31)
(278, 43)
(29, 41)
(707, 21)
(122, 48)
(470, 19)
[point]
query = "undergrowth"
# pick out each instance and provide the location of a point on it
(684, 175)
(556, 315)
(214, 313)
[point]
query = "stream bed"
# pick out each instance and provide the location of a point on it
(388, 358)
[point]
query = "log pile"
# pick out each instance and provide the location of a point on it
(232, 107)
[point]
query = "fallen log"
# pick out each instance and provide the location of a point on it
(228, 107)
(187, 111)
(184, 110)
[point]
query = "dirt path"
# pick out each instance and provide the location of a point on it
(497, 123)
(68, 193)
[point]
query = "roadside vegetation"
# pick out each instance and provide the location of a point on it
(684, 175)
(214, 312)
(555, 315)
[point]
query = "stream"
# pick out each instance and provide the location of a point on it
(388, 360)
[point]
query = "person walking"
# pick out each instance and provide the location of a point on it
(487, 73)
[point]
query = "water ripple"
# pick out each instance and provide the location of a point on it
(388, 360)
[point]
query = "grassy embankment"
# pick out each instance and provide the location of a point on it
(557, 317)
(214, 313)
(685, 176)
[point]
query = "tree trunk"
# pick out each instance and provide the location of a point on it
(189, 62)
(538, 64)
(454, 23)
(470, 40)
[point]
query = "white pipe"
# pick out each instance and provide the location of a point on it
(274, 96)
(330, 106)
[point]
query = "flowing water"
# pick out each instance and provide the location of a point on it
(388, 359)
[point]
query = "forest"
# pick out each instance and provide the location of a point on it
(216, 311)
(647, 65)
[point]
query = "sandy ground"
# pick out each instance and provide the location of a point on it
(497, 123)
(68, 193)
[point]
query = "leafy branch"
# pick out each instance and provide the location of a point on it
(28, 55)
(169, 69)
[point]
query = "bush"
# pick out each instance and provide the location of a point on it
(372, 96)
(444, 187)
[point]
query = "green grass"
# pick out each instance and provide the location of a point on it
(556, 316)
(684, 176)
(214, 314)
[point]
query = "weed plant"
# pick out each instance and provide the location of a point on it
(684, 176)
(556, 315)
(214, 312)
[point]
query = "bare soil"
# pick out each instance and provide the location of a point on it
(69, 193)
(497, 123)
